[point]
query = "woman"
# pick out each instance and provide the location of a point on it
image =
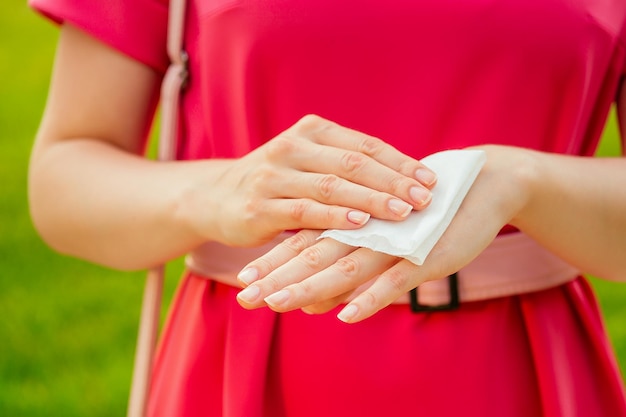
(533, 78)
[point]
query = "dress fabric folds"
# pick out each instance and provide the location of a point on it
(539, 354)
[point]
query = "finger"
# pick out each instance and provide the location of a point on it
(292, 214)
(333, 190)
(363, 170)
(389, 286)
(327, 305)
(309, 261)
(328, 133)
(277, 256)
(346, 274)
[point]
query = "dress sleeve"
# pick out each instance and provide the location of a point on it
(137, 28)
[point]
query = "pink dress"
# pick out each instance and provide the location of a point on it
(424, 75)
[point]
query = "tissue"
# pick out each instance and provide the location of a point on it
(414, 237)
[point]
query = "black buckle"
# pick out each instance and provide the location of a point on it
(453, 283)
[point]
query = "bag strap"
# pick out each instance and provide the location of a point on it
(173, 82)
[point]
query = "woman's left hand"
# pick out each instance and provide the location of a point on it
(317, 275)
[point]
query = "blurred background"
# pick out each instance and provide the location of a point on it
(68, 328)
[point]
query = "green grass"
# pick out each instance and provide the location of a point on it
(68, 330)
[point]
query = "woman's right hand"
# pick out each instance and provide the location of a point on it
(315, 175)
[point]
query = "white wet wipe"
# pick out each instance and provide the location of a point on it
(414, 237)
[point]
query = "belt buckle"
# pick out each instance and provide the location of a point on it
(453, 304)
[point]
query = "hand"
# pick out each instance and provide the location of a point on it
(303, 272)
(315, 175)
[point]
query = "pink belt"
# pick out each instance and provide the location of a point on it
(512, 264)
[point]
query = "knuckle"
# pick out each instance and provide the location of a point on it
(312, 124)
(298, 209)
(323, 130)
(408, 167)
(310, 120)
(305, 289)
(265, 264)
(272, 284)
(328, 185)
(396, 184)
(331, 216)
(264, 174)
(396, 279)
(369, 299)
(297, 243)
(280, 147)
(348, 267)
(353, 162)
(371, 146)
(311, 257)
(374, 200)
(251, 210)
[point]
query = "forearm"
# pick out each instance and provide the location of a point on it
(576, 207)
(100, 202)
(92, 200)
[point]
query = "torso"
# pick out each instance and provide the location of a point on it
(424, 76)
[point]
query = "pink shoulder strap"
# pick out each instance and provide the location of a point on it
(172, 85)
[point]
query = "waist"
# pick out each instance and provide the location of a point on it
(512, 264)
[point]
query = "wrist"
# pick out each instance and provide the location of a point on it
(513, 175)
(195, 205)
(527, 179)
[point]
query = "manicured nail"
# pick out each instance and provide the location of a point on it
(358, 217)
(348, 313)
(420, 195)
(250, 294)
(277, 298)
(248, 276)
(399, 207)
(425, 176)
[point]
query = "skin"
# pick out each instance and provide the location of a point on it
(94, 196)
(573, 206)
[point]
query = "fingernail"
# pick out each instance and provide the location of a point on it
(400, 207)
(425, 176)
(358, 217)
(420, 195)
(250, 294)
(277, 298)
(348, 313)
(248, 276)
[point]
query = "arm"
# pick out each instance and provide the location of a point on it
(574, 206)
(577, 208)
(86, 170)
(94, 196)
